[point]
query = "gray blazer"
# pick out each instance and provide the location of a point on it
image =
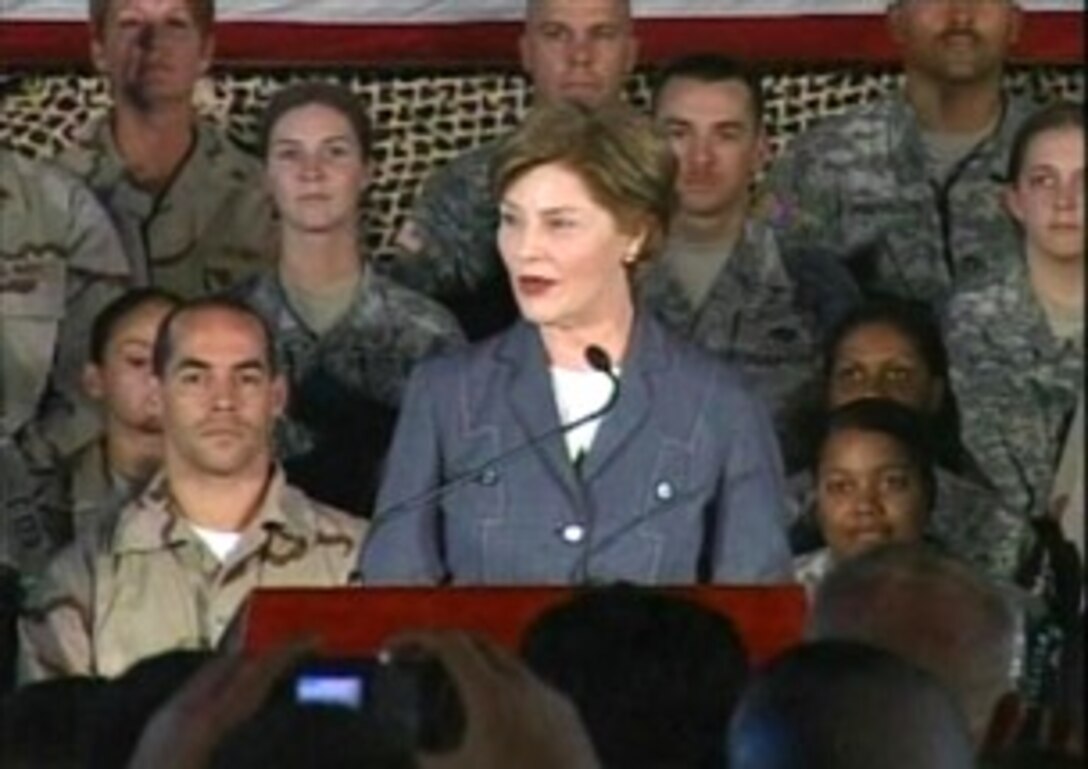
(682, 483)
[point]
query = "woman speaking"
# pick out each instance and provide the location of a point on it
(584, 444)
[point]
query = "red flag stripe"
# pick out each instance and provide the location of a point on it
(1049, 37)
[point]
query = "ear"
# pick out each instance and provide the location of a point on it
(1016, 23)
(632, 53)
(895, 22)
(92, 381)
(364, 183)
(636, 245)
(207, 53)
(1011, 196)
(98, 51)
(279, 395)
(525, 53)
(763, 149)
(155, 401)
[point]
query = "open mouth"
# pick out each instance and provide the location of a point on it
(533, 286)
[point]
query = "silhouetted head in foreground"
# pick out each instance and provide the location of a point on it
(844, 705)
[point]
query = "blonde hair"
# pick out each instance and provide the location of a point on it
(624, 162)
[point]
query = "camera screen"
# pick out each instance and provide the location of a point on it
(345, 690)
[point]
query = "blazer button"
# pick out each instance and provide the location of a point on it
(664, 491)
(572, 533)
(489, 477)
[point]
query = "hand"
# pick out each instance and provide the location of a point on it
(224, 693)
(512, 718)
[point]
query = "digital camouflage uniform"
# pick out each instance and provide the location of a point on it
(1017, 386)
(91, 492)
(209, 229)
(967, 520)
(447, 248)
(346, 385)
(146, 583)
(60, 263)
(750, 318)
(857, 186)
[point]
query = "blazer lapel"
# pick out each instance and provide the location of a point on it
(533, 404)
(633, 407)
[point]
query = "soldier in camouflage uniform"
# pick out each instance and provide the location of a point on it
(348, 337)
(904, 189)
(60, 263)
(174, 567)
(1017, 346)
(721, 282)
(188, 204)
(110, 469)
(894, 350)
(579, 50)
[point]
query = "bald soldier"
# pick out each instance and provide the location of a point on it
(905, 189)
(189, 205)
(172, 568)
(577, 50)
(60, 263)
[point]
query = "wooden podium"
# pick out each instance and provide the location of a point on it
(358, 621)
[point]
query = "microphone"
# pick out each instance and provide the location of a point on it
(597, 359)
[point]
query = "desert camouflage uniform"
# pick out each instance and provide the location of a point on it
(968, 520)
(346, 385)
(146, 583)
(447, 247)
(209, 229)
(60, 263)
(750, 318)
(1017, 387)
(857, 185)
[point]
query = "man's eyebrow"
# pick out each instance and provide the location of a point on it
(252, 364)
(196, 363)
(249, 364)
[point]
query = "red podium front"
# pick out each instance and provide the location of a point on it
(355, 621)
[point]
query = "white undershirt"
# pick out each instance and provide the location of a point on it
(221, 543)
(579, 392)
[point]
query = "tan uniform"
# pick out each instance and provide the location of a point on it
(211, 227)
(61, 262)
(147, 583)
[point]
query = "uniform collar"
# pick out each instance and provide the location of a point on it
(152, 521)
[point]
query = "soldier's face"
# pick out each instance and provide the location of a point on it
(123, 382)
(955, 41)
(878, 361)
(719, 146)
(564, 252)
(578, 50)
(868, 493)
(219, 397)
(152, 51)
(1048, 196)
(315, 169)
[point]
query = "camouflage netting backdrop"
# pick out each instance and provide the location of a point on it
(424, 117)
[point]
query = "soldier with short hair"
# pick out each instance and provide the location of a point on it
(904, 188)
(60, 263)
(187, 202)
(174, 566)
(573, 50)
(721, 281)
